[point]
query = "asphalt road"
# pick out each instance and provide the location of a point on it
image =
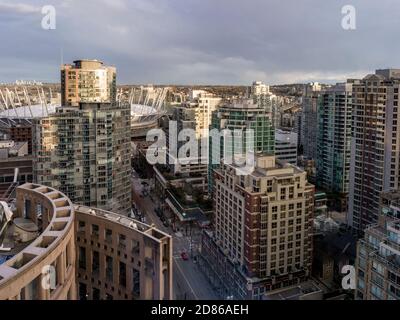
(189, 282)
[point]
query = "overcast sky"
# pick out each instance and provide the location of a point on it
(201, 41)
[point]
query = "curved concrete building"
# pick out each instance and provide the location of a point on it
(25, 276)
(51, 249)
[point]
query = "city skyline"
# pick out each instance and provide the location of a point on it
(204, 43)
(199, 150)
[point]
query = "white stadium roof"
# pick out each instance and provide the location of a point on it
(26, 112)
(140, 114)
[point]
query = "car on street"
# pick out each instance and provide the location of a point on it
(184, 256)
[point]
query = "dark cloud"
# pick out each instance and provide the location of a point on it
(201, 41)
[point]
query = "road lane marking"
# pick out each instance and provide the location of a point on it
(187, 281)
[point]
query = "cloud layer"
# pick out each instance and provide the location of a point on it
(201, 41)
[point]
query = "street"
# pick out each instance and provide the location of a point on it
(189, 282)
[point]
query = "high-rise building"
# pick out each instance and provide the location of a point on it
(84, 150)
(262, 97)
(298, 116)
(310, 120)
(334, 138)
(378, 254)
(241, 116)
(263, 229)
(87, 81)
(195, 115)
(286, 146)
(375, 145)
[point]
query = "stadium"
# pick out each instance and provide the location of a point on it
(19, 106)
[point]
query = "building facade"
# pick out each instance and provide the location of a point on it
(22, 276)
(378, 254)
(119, 258)
(15, 169)
(196, 116)
(84, 151)
(375, 145)
(87, 81)
(334, 139)
(263, 229)
(95, 254)
(286, 146)
(298, 116)
(309, 121)
(240, 116)
(262, 97)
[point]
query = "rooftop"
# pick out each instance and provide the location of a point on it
(149, 230)
(304, 291)
(267, 165)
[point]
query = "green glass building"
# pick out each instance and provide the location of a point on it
(239, 117)
(334, 138)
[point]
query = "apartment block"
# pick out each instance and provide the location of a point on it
(84, 151)
(195, 115)
(263, 229)
(375, 145)
(378, 254)
(309, 121)
(334, 138)
(241, 115)
(262, 97)
(87, 81)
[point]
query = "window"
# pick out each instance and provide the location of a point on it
(136, 282)
(378, 268)
(361, 284)
(82, 291)
(82, 258)
(81, 226)
(108, 236)
(95, 230)
(122, 240)
(109, 268)
(394, 291)
(122, 274)
(96, 262)
(376, 291)
(96, 294)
